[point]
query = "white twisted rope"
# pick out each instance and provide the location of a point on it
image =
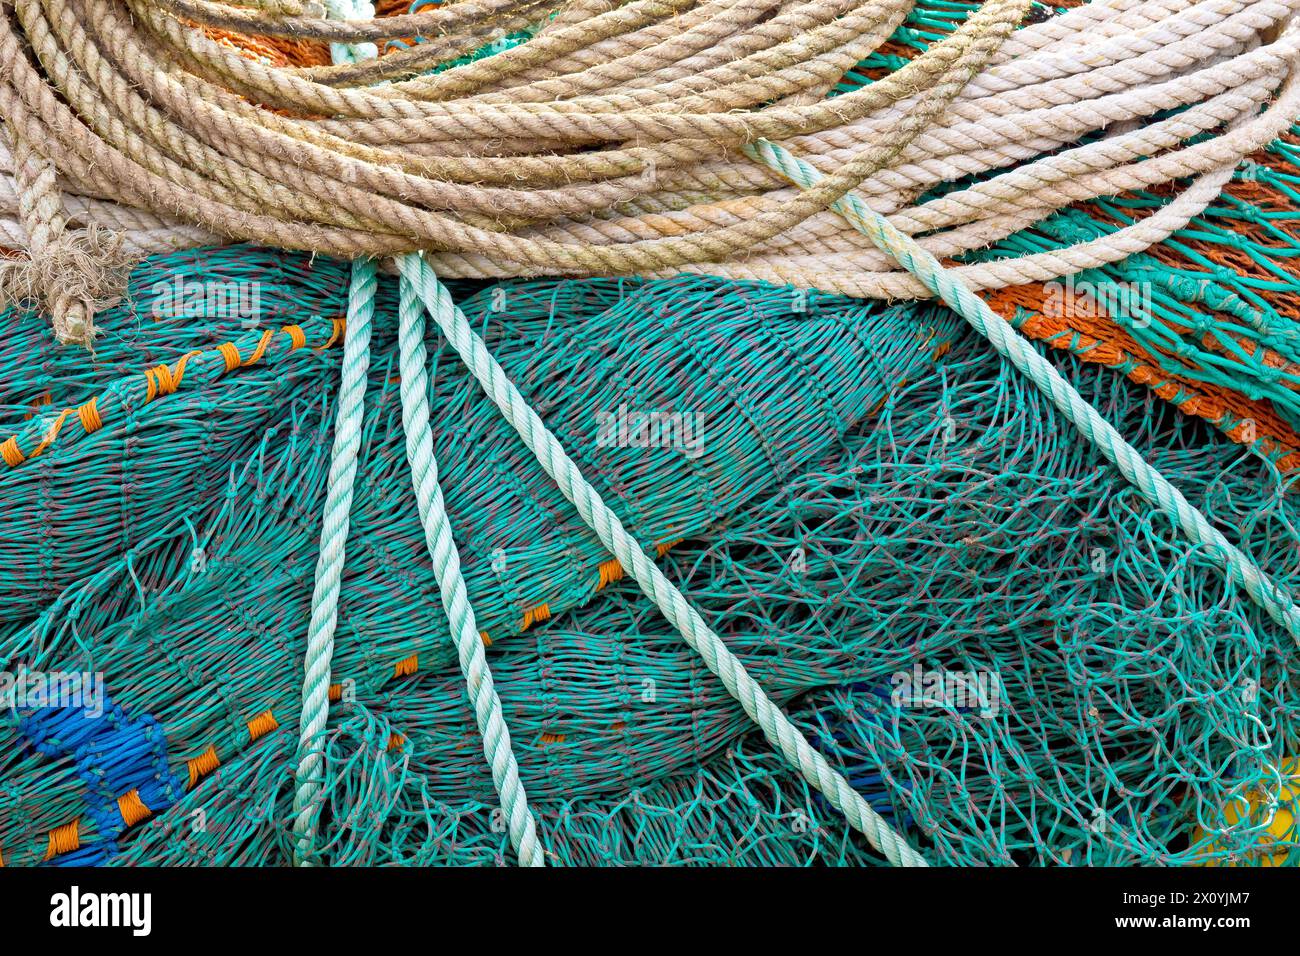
(451, 583)
(348, 421)
(437, 529)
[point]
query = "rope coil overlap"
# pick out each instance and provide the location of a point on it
(611, 143)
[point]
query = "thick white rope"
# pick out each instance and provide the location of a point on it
(349, 418)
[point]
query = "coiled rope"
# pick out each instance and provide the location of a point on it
(610, 144)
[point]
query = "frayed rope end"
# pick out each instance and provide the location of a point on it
(77, 275)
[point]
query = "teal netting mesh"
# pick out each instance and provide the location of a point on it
(910, 518)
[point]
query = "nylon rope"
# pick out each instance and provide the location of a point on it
(348, 421)
(451, 584)
(349, 417)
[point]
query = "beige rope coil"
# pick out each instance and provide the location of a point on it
(610, 142)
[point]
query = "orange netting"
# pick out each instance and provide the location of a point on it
(1095, 338)
(1113, 346)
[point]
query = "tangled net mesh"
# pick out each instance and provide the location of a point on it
(1135, 708)
(1115, 702)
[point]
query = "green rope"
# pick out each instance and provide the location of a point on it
(451, 584)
